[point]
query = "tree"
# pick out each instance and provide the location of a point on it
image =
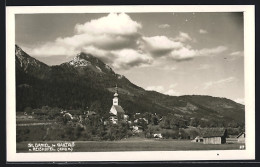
(155, 120)
(53, 112)
(95, 106)
(28, 110)
(149, 131)
(142, 123)
(165, 123)
(194, 122)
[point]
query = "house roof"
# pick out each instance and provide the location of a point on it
(213, 132)
(240, 134)
(119, 109)
(198, 137)
(91, 113)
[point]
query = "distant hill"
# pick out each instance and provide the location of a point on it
(86, 80)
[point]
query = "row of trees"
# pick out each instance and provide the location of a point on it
(175, 122)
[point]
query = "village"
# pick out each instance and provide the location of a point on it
(117, 125)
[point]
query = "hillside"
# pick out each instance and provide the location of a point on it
(86, 80)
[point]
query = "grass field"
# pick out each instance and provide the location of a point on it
(137, 145)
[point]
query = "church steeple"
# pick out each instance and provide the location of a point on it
(116, 111)
(115, 99)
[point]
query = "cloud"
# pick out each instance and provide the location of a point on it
(119, 24)
(172, 92)
(237, 53)
(102, 41)
(201, 31)
(173, 85)
(161, 89)
(176, 49)
(164, 26)
(113, 38)
(240, 100)
(156, 88)
(50, 49)
(116, 40)
(183, 37)
(183, 53)
(212, 51)
(204, 67)
(159, 45)
(169, 68)
(130, 58)
(210, 84)
(186, 52)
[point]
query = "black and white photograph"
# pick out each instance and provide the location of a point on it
(158, 82)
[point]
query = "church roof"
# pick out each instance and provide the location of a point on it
(119, 109)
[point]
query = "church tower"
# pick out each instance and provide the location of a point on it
(115, 99)
(117, 113)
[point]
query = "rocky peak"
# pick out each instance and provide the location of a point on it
(87, 60)
(78, 61)
(30, 65)
(18, 50)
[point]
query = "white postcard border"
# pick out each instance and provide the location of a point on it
(249, 65)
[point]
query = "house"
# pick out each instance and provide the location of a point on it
(117, 113)
(198, 139)
(136, 121)
(91, 113)
(140, 120)
(126, 117)
(157, 135)
(113, 119)
(145, 120)
(68, 116)
(137, 129)
(137, 115)
(214, 136)
(241, 137)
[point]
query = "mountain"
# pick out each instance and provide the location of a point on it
(86, 81)
(27, 64)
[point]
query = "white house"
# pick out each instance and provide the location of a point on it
(157, 135)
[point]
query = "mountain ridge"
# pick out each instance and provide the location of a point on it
(86, 80)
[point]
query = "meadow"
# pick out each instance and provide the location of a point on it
(137, 144)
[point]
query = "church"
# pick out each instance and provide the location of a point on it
(117, 113)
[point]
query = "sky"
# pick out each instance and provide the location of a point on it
(172, 53)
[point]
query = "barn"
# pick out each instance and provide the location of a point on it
(214, 136)
(241, 137)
